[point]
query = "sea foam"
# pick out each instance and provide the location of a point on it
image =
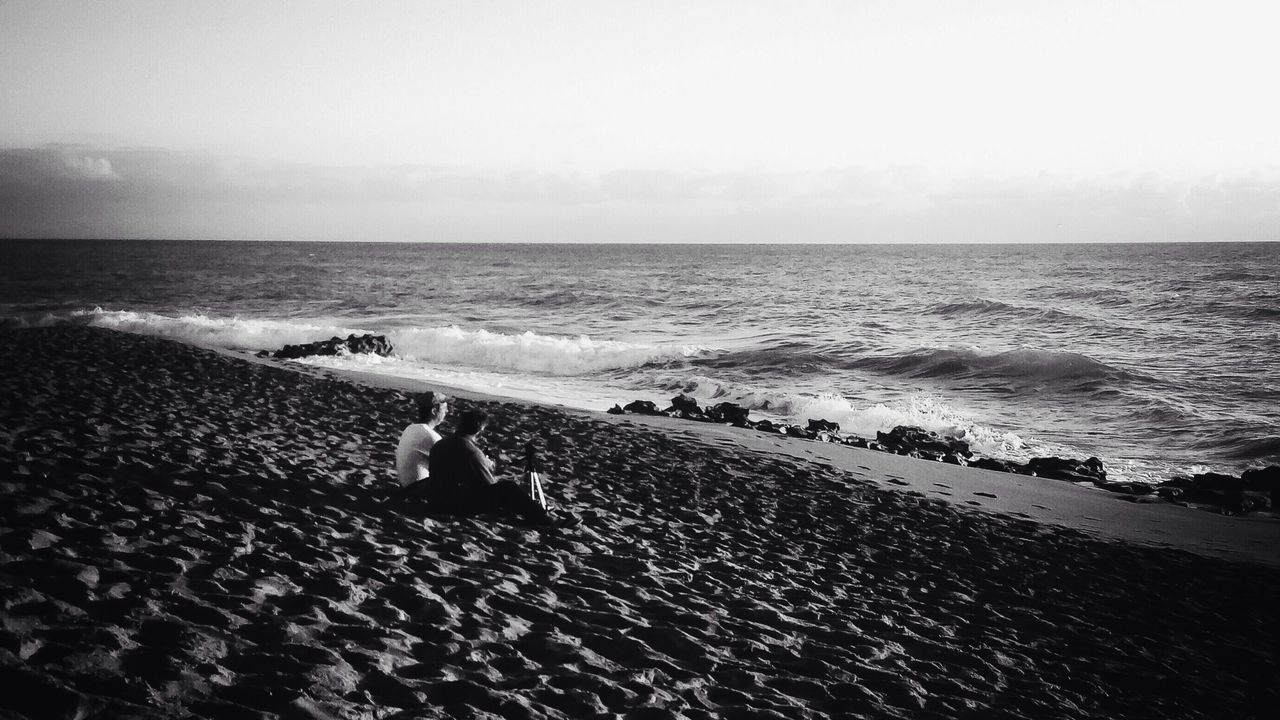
(530, 352)
(232, 333)
(526, 352)
(865, 419)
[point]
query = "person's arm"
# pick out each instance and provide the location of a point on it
(481, 466)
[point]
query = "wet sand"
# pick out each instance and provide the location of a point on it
(187, 534)
(1254, 537)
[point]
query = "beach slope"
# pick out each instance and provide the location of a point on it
(186, 534)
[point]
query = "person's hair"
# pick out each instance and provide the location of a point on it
(472, 422)
(428, 403)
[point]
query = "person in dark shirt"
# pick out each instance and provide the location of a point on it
(461, 480)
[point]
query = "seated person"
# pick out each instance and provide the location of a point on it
(414, 450)
(462, 481)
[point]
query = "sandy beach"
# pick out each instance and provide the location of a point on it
(189, 534)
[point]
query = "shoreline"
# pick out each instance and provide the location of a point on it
(184, 534)
(1074, 506)
(1146, 461)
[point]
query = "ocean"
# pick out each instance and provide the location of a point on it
(1161, 359)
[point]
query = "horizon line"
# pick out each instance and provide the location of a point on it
(626, 244)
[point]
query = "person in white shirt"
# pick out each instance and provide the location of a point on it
(414, 450)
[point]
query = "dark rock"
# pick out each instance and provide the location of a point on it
(1265, 479)
(1209, 488)
(1239, 502)
(855, 441)
(366, 344)
(730, 413)
(1126, 488)
(766, 426)
(642, 407)
(684, 406)
(1214, 487)
(1057, 468)
(1008, 466)
(918, 442)
(1233, 495)
(1215, 482)
(616, 410)
(263, 353)
(824, 426)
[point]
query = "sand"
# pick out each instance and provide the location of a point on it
(187, 534)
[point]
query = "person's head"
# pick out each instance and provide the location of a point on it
(432, 407)
(472, 422)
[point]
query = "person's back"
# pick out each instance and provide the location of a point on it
(462, 480)
(414, 449)
(459, 472)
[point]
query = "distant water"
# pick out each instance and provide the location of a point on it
(1157, 358)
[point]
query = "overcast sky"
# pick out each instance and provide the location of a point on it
(641, 121)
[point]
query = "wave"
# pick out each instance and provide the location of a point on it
(1247, 306)
(1091, 294)
(1242, 444)
(1068, 369)
(862, 419)
(1260, 311)
(523, 352)
(981, 307)
(782, 358)
(561, 298)
(232, 333)
(1230, 275)
(530, 352)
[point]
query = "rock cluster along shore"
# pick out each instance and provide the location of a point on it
(1254, 490)
(363, 344)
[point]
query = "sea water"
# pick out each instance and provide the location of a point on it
(1158, 358)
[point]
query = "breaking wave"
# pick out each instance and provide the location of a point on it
(231, 333)
(527, 352)
(863, 419)
(530, 352)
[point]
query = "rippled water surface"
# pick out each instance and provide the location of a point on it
(1156, 357)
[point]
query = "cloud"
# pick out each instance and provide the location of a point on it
(54, 164)
(89, 168)
(151, 192)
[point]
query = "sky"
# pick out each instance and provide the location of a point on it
(741, 121)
